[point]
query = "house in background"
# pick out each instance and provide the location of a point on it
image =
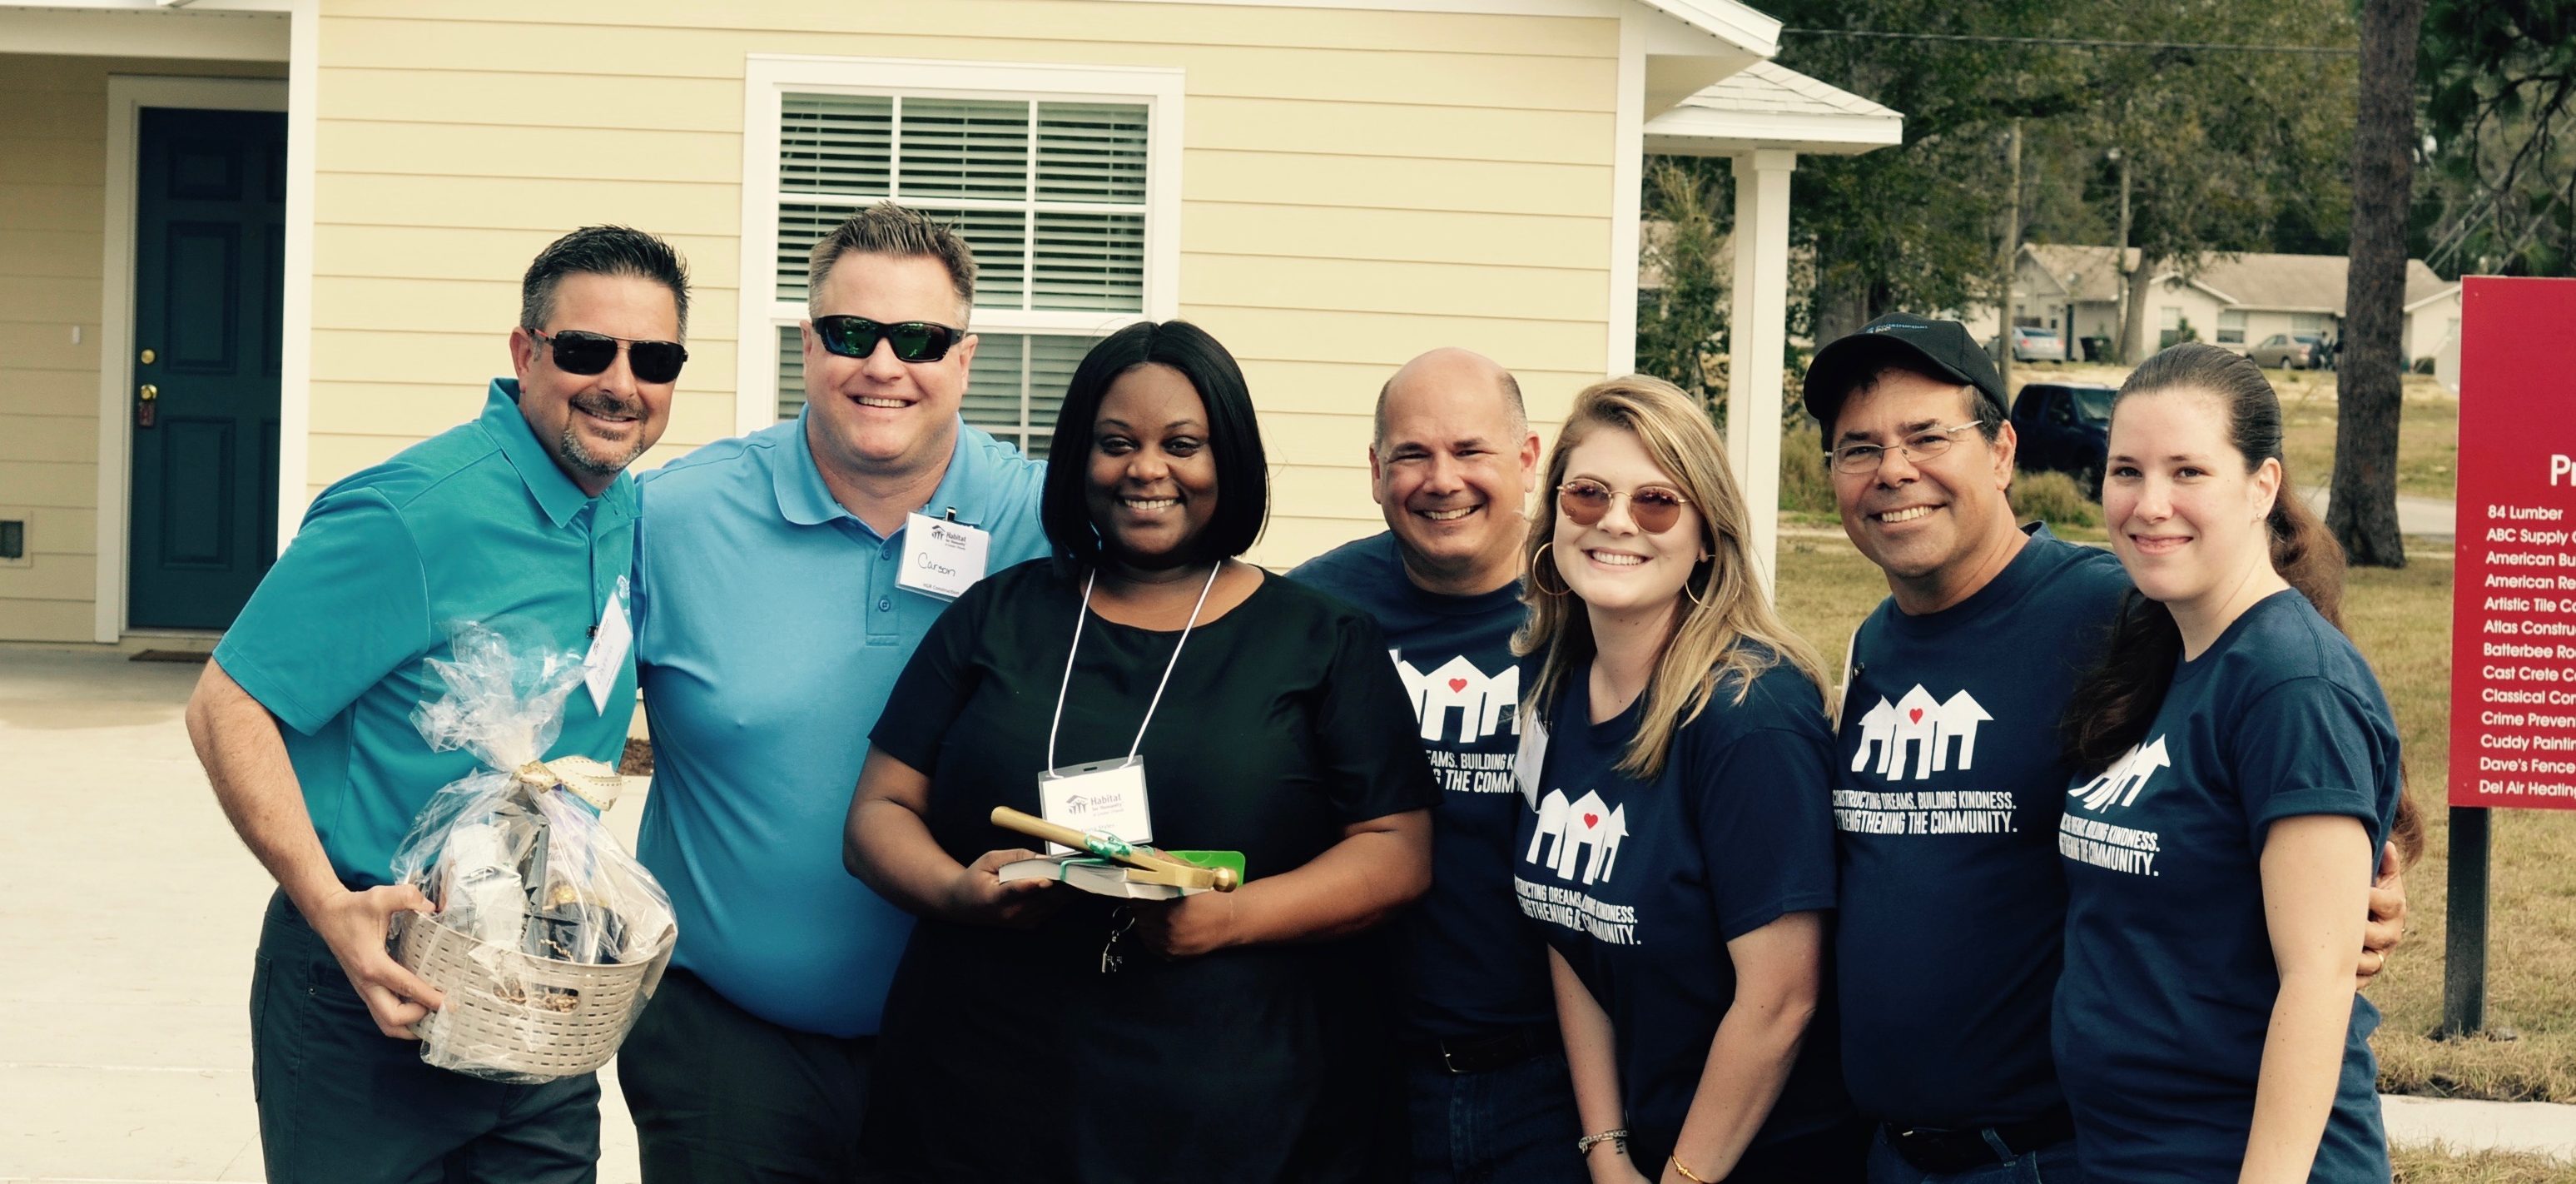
(248, 247)
(2237, 302)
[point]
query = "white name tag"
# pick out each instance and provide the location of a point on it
(1532, 754)
(608, 645)
(941, 558)
(1103, 795)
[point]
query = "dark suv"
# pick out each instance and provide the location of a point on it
(2064, 427)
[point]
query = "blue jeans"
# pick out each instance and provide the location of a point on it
(2053, 1164)
(1513, 1125)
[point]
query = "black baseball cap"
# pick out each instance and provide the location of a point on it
(1937, 347)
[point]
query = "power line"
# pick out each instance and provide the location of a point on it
(2082, 42)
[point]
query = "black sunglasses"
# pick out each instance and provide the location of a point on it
(914, 341)
(580, 352)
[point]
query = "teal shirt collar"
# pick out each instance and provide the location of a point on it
(804, 500)
(553, 491)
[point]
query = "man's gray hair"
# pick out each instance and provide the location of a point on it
(889, 229)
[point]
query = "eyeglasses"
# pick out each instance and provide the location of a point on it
(1922, 445)
(577, 351)
(913, 341)
(1652, 507)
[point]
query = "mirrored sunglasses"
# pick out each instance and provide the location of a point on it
(578, 351)
(913, 341)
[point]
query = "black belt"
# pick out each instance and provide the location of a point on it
(1933, 1150)
(1488, 1052)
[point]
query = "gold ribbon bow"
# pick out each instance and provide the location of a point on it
(580, 776)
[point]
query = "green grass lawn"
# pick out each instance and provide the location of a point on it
(2440, 1165)
(2428, 430)
(2402, 622)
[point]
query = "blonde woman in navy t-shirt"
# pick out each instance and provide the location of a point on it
(1678, 850)
(2237, 773)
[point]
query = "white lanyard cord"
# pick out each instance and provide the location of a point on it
(1076, 647)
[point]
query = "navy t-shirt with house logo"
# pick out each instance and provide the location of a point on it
(1469, 967)
(1947, 783)
(2170, 982)
(1640, 884)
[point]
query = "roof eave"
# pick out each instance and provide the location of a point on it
(1701, 131)
(1746, 29)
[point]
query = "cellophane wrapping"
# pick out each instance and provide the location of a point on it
(519, 866)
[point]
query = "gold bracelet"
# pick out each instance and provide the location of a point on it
(1684, 1169)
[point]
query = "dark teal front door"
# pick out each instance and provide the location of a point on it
(209, 270)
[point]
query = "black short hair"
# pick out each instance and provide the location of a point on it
(601, 250)
(1234, 437)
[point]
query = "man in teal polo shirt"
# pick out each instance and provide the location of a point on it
(774, 609)
(522, 520)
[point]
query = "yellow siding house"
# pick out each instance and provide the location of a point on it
(250, 246)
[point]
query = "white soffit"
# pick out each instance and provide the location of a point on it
(1767, 105)
(206, 30)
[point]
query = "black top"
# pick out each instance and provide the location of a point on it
(1470, 967)
(1948, 781)
(1009, 1052)
(1641, 884)
(2169, 987)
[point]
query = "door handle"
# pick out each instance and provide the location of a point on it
(149, 392)
(147, 409)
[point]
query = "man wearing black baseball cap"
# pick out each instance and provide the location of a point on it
(1948, 781)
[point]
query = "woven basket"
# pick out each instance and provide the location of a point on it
(515, 1013)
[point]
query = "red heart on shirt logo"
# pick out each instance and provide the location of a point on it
(1591, 820)
(1456, 685)
(1915, 715)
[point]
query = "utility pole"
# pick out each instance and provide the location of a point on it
(2011, 262)
(2120, 263)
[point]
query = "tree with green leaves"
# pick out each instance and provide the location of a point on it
(1681, 315)
(2499, 80)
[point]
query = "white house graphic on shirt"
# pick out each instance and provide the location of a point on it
(1585, 832)
(1480, 699)
(2125, 777)
(1923, 727)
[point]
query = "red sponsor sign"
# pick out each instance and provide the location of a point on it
(2513, 593)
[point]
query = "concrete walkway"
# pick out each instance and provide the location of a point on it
(128, 913)
(2426, 517)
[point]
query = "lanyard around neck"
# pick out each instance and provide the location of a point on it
(1067, 684)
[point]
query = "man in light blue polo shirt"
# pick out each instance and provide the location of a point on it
(773, 615)
(522, 520)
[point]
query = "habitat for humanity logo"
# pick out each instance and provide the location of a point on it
(1584, 831)
(1480, 699)
(1922, 725)
(2125, 777)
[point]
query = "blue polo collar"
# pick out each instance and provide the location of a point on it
(804, 500)
(547, 484)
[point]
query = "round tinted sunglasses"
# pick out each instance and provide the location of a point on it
(1652, 507)
(577, 351)
(913, 341)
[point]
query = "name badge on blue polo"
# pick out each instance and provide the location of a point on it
(941, 558)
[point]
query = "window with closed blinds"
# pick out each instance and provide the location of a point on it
(1049, 194)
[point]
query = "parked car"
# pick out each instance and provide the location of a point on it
(2290, 351)
(2035, 345)
(2064, 427)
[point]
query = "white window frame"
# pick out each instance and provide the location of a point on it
(2224, 328)
(768, 78)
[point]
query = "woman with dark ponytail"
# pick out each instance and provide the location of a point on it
(2237, 774)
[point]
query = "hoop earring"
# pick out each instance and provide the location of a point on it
(1686, 588)
(1539, 584)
